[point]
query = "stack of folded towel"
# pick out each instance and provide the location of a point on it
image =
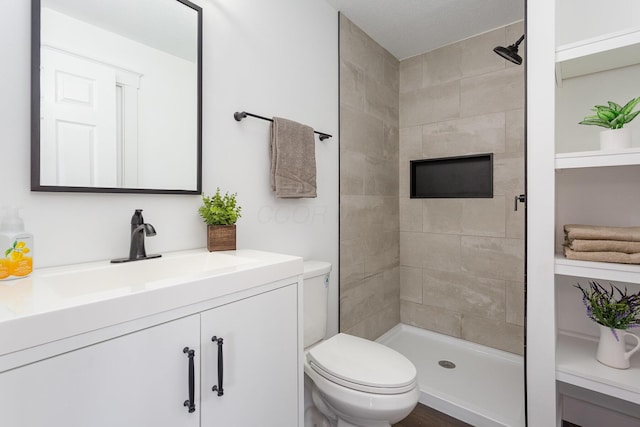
(604, 244)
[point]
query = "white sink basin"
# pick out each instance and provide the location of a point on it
(140, 275)
(61, 302)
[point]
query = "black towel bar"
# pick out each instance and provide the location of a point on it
(241, 115)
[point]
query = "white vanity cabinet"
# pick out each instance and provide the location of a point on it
(259, 362)
(136, 371)
(140, 379)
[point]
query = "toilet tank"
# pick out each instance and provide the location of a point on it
(315, 291)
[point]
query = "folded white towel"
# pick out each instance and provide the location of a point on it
(293, 159)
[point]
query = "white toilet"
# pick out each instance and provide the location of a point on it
(349, 381)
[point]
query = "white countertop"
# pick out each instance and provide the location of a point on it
(60, 302)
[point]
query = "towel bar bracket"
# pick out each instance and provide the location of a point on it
(239, 115)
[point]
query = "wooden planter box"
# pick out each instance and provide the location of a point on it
(221, 238)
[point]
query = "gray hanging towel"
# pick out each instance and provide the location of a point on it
(293, 159)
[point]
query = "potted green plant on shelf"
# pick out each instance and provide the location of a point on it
(220, 213)
(613, 117)
(614, 311)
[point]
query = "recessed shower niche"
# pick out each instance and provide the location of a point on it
(452, 177)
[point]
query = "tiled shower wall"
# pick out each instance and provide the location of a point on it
(369, 217)
(462, 260)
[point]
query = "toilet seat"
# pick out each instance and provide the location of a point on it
(362, 365)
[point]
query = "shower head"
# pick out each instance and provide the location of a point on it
(510, 53)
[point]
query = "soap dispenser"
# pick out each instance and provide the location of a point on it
(16, 245)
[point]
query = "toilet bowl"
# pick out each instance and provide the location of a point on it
(350, 381)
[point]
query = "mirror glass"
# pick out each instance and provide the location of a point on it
(116, 96)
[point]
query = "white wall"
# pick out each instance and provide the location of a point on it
(271, 58)
(583, 19)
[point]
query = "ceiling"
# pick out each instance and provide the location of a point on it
(167, 25)
(410, 27)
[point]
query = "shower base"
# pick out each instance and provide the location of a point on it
(484, 389)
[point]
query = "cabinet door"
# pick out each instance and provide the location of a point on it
(140, 380)
(260, 361)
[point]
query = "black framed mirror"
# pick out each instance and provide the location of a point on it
(116, 96)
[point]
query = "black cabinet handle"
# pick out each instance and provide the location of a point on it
(191, 403)
(521, 198)
(218, 387)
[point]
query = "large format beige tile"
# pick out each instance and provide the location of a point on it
(352, 170)
(411, 284)
(515, 219)
(361, 301)
(479, 134)
(391, 72)
(362, 216)
(381, 251)
(430, 250)
(391, 147)
(381, 177)
(484, 217)
(493, 257)
(432, 318)
(464, 293)
(508, 174)
(442, 215)
(352, 86)
(377, 324)
(381, 101)
(477, 56)
(442, 65)
(410, 149)
(359, 49)
(410, 214)
(493, 333)
(430, 105)
(361, 132)
(515, 303)
(493, 92)
(351, 275)
(351, 251)
(479, 217)
(411, 74)
(514, 129)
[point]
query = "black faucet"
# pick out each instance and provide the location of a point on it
(139, 229)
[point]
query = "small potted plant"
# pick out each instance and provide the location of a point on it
(614, 311)
(613, 117)
(220, 213)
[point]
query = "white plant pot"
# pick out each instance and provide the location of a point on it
(612, 349)
(615, 139)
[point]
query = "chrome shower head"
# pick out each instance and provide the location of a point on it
(510, 53)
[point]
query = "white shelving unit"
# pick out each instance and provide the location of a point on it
(597, 54)
(629, 273)
(594, 159)
(576, 363)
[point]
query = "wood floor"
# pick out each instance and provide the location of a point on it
(423, 416)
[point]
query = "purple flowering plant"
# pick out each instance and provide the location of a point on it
(612, 308)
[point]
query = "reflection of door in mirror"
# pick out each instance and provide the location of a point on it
(88, 122)
(119, 95)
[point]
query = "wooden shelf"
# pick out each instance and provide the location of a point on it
(576, 364)
(594, 159)
(610, 51)
(629, 273)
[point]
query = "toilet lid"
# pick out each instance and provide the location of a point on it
(362, 365)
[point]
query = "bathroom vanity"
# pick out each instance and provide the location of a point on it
(192, 338)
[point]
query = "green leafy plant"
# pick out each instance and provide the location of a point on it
(612, 308)
(220, 210)
(614, 116)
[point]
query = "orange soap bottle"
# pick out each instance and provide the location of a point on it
(16, 247)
